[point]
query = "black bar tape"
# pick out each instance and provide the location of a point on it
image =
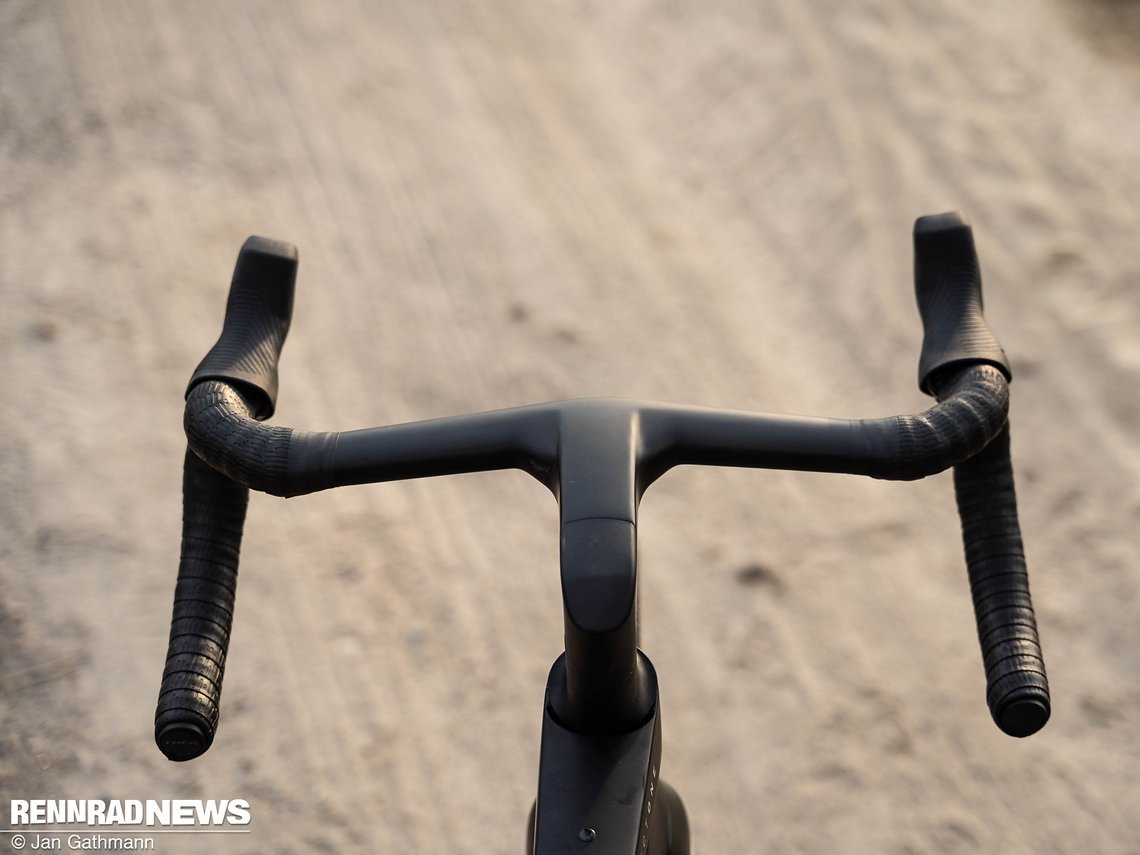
(213, 514)
(957, 343)
(973, 403)
(222, 429)
(258, 313)
(1017, 689)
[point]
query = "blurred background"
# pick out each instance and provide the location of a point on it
(504, 203)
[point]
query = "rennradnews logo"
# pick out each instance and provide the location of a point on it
(134, 812)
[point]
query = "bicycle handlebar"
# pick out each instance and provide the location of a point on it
(948, 283)
(598, 457)
(258, 313)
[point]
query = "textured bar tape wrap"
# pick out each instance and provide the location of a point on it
(258, 312)
(232, 388)
(213, 514)
(958, 342)
(1017, 690)
(972, 407)
(221, 427)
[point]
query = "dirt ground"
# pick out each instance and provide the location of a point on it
(504, 203)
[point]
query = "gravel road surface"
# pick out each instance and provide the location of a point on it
(504, 203)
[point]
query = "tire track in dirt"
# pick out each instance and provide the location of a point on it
(806, 32)
(609, 217)
(1108, 188)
